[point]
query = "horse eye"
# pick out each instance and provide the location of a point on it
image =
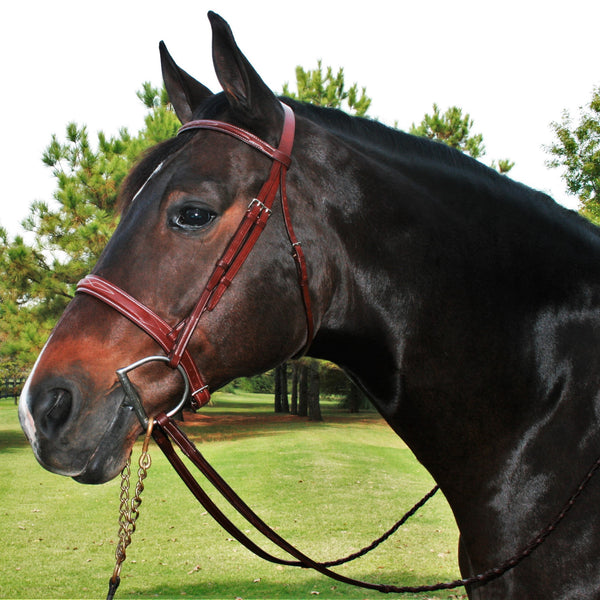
(193, 217)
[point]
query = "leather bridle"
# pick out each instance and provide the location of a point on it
(174, 340)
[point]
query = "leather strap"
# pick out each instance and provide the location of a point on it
(298, 255)
(174, 340)
(165, 431)
(281, 154)
(148, 321)
(249, 230)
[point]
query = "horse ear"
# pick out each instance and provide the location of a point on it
(185, 93)
(249, 97)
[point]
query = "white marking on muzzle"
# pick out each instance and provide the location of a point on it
(25, 416)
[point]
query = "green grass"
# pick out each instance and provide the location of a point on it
(330, 488)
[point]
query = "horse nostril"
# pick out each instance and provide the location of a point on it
(58, 402)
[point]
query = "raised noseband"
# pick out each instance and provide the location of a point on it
(174, 340)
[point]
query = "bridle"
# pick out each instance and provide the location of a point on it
(174, 340)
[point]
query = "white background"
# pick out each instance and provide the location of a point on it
(513, 65)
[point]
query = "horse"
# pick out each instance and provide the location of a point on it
(464, 304)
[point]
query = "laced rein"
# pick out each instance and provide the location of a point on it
(174, 341)
(166, 433)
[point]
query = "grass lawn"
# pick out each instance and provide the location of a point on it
(330, 488)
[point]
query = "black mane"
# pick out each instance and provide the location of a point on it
(379, 137)
(429, 162)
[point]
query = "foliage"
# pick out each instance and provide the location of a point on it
(327, 89)
(259, 384)
(577, 152)
(64, 238)
(451, 128)
(454, 129)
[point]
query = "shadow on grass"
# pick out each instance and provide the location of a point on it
(10, 440)
(309, 587)
(224, 425)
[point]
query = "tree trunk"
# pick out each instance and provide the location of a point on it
(354, 398)
(285, 407)
(294, 399)
(314, 407)
(303, 391)
(278, 405)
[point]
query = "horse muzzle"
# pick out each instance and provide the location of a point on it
(63, 437)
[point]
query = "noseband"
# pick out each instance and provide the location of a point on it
(174, 340)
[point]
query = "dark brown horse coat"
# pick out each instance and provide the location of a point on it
(466, 306)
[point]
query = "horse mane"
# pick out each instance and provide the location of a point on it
(416, 156)
(379, 137)
(427, 159)
(428, 163)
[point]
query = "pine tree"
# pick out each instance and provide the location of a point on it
(64, 238)
(327, 89)
(455, 130)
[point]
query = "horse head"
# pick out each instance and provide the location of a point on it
(181, 206)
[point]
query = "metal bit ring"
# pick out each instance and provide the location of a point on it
(132, 398)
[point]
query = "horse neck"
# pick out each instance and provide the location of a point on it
(455, 297)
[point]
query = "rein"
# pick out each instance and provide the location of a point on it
(174, 341)
(165, 433)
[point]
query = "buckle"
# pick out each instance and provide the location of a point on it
(262, 205)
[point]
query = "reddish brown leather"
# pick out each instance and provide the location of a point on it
(298, 255)
(165, 431)
(251, 226)
(175, 340)
(281, 154)
(148, 321)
